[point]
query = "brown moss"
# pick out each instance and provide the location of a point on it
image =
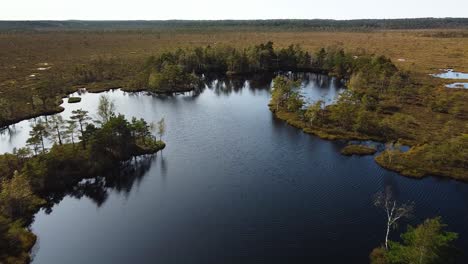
(411, 164)
(358, 150)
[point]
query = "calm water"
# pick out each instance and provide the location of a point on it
(234, 185)
(450, 74)
(457, 85)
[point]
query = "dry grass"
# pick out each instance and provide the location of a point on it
(25, 50)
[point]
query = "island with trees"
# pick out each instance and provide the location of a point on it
(33, 176)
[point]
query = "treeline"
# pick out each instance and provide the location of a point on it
(82, 148)
(272, 24)
(181, 70)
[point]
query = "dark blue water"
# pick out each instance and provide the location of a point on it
(235, 185)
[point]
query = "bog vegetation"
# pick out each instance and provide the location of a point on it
(383, 102)
(33, 176)
(377, 105)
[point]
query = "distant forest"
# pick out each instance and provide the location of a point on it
(277, 24)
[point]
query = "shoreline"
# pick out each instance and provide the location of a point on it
(400, 168)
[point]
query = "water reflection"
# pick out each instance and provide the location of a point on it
(313, 87)
(121, 180)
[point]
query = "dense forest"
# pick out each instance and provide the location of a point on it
(276, 24)
(36, 177)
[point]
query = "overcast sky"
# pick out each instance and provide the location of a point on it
(221, 9)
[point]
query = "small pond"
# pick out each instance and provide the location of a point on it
(457, 85)
(450, 74)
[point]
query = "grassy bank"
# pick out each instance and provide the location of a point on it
(447, 158)
(359, 150)
(419, 161)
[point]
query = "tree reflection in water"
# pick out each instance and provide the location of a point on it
(121, 179)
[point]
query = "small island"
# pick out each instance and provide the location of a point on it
(359, 150)
(74, 100)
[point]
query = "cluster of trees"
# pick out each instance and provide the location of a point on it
(172, 78)
(180, 70)
(227, 59)
(115, 134)
(286, 95)
(82, 148)
(428, 243)
(376, 87)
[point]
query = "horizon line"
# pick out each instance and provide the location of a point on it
(227, 19)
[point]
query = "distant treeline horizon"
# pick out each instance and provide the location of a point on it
(269, 24)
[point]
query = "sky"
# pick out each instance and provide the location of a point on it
(233, 9)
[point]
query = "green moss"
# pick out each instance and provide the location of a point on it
(73, 100)
(358, 150)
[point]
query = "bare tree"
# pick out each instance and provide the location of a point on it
(394, 211)
(106, 108)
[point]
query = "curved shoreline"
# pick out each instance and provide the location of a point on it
(401, 168)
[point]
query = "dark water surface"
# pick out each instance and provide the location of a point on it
(235, 185)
